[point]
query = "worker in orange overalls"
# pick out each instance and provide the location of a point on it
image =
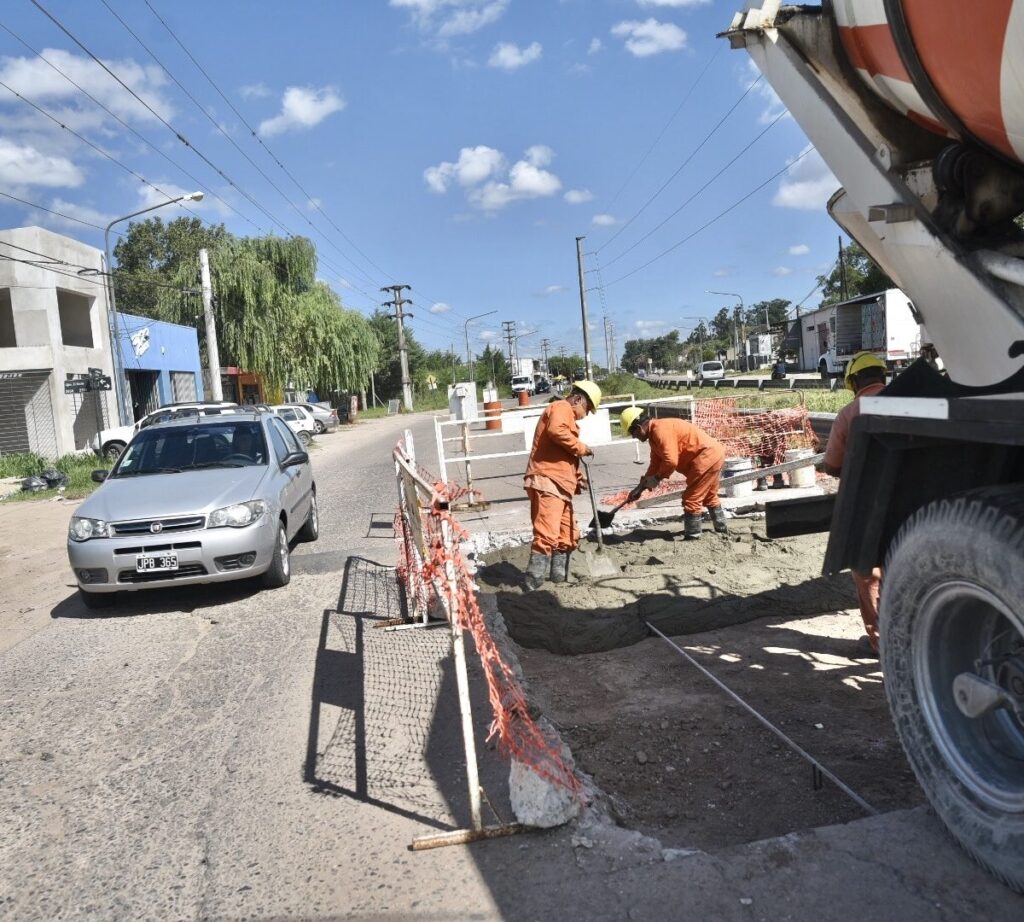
(552, 479)
(865, 376)
(677, 445)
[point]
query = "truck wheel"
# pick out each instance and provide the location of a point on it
(952, 644)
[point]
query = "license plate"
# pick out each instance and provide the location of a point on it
(156, 563)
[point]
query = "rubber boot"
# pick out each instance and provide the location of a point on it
(762, 484)
(537, 570)
(778, 483)
(718, 520)
(560, 566)
(692, 526)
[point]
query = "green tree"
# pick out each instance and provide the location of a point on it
(863, 276)
(777, 309)
(273, 317)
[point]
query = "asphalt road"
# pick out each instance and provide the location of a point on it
(222, 753)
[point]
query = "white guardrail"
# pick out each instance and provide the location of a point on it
(521, 423)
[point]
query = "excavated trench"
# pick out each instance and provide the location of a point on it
(679, 759)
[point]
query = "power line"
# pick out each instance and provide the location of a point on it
(660, 225)
(715, 219)
(679, 169)
(671, 119)
(231, 140)
(58, 214)
(311, 199)
(136, 133)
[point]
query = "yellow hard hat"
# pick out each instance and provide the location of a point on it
(629, 416)
(861, 362)
(592, 391)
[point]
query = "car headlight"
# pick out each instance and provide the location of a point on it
(82, 529)
(238, 515)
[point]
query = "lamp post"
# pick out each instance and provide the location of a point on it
(735, 326)
(700, 333)
(115, 341)
(469, 361)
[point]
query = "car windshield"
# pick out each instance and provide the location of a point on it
(177, 448)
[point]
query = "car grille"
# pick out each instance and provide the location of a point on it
(155, 548)
(145, 526)
(188, 569)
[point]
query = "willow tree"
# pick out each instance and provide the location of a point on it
(273, 317)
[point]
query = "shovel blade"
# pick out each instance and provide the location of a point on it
(600, 564)
(605, 518)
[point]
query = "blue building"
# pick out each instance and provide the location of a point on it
(160, 361)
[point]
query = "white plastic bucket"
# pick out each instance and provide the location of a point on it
(802, 476)
(731, 468)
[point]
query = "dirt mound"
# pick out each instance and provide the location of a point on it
(681, 587)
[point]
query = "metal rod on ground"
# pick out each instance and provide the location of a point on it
(462, 680)
(849, 792)
(466, 836)
(469, 469)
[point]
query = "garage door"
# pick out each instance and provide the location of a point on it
(26, 413)
(183, 386)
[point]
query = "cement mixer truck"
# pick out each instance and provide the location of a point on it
(917, 106)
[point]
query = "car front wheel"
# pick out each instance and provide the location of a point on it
(310, 530)
(279, 573)
(304, 438)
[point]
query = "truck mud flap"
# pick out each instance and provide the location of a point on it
(805, 515)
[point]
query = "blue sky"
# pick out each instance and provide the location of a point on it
(458, 146)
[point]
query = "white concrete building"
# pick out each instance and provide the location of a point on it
(53, 327)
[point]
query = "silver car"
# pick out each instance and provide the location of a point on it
(197, 500)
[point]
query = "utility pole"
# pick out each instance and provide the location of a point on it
(544, 346)
(843, 292)
(588, 370)
(615, 352)
(398, 303)
(212, 351)
(508, 328)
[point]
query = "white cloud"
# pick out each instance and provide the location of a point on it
(481, 170)
(552, 290)
(595, 46)
(722, 273)
(649, 37)
(37, 80)
(774, 106)
(509, 56)
(448, 18)
(578, 196)
(314, 203)
(781, 271)
(254, 91)
(650, 326)
(799, 249)
(440, 308)
(604, 220)
(302, 107)
(24, 165)
(487, 335)
(475, 164)
(85, 213)
(808, 184)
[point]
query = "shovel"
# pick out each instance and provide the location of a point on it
(604, 519)
(600, 564)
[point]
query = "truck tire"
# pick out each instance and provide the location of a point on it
(953, 603)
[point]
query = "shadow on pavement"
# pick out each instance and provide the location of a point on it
(160, 601)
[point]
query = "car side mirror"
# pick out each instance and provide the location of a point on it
(296, 457)
(100, 476)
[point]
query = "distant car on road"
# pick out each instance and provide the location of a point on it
(710, 371)
(325, 420)
(195, 500)
(300, 421)
(641, 373)
(522, 383)
(111, 442)
(543, 386)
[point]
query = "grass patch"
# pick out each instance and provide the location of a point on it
(426, 402)
(78, 469)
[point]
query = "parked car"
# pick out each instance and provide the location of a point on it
(111, 442)
(195, 500)
(325, 420)
(543, 386)
(710, 371)
(300, 421)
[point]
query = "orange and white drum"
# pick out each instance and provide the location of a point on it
(954, 66)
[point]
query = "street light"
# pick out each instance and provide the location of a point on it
(115, 334)
(700, 333)
(735, 326)
(469, 361)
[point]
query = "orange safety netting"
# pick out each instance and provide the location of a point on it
(517, 733)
